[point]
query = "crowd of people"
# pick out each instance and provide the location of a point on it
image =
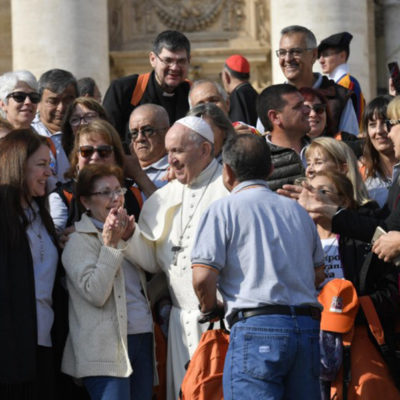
(126, 222)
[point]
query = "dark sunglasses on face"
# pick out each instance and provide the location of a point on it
(391, 122)
(103, 151)
(318, 108)
(146, 131)
(20, 97)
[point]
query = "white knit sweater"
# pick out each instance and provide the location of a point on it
(97, 340)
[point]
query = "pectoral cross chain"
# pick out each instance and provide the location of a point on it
(176, 250)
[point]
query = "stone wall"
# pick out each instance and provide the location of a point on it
(215, 28)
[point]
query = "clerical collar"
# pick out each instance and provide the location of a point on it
(161, 90)
(166, 94)
(250, 182)
(207, 172)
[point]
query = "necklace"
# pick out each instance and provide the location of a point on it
(41, 241)
(177, 248)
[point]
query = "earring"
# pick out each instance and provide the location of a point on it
(88, 211)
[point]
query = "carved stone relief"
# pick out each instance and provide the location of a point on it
(188, 15)
(216, 29)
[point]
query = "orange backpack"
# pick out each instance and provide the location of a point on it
(203, 378)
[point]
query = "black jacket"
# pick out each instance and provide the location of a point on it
(287, 166)
(117, 101)
(243, 101)
(361, 224)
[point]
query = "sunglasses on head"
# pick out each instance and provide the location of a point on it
(318, 108)
(103, 151)
(20, 97)
(391, 122)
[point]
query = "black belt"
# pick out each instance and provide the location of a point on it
(312, 312)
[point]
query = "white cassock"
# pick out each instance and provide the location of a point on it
(165, 235)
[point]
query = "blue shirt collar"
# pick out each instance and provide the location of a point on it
(251, 182)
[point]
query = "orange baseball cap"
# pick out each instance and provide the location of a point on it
(238, 63)
(340, 302)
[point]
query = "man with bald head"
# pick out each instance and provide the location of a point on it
(148, 125)
(165, 233)
(207, 91)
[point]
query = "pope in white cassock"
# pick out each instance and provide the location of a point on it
(166, 232)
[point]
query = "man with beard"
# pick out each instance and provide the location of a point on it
(166, 85)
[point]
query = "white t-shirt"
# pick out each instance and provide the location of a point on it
(333, 265)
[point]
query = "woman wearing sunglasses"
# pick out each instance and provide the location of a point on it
(95, 143)
(321, 121)
(109, 315)
(19, 98)
(378, 157)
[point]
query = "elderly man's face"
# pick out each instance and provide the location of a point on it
(53, 106)
(207, 93)
(170, 67)
(147, 136)
(296, 67)
(186, 158)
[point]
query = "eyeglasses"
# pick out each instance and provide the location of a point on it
(111, 193)
(318, 108)
(295, 52)
(20, 97)
(391, 122)
(85, 119)
(146, 131)
(169, 62)
(103, 151)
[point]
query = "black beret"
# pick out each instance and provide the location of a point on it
(340, 41)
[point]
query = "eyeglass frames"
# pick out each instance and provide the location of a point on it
(146, 131)
(20, 97)
(391, 122)
(318, 108)
(110, 193)
(86, 118)
(103, 151)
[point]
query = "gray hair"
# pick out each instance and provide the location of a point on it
(219, 88)
(57, 80)
(311, 41)
(197, 139)
(216, 115)
(9, 81)
(160, 114)
(86, 86)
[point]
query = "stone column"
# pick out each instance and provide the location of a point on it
(388, 34)
(5, 37)
(66, 34)
(324, 18)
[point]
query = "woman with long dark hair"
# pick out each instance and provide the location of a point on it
(378, 156)
(28, 267)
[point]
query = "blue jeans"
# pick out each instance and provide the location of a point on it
(273, 357)
(139, 385)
